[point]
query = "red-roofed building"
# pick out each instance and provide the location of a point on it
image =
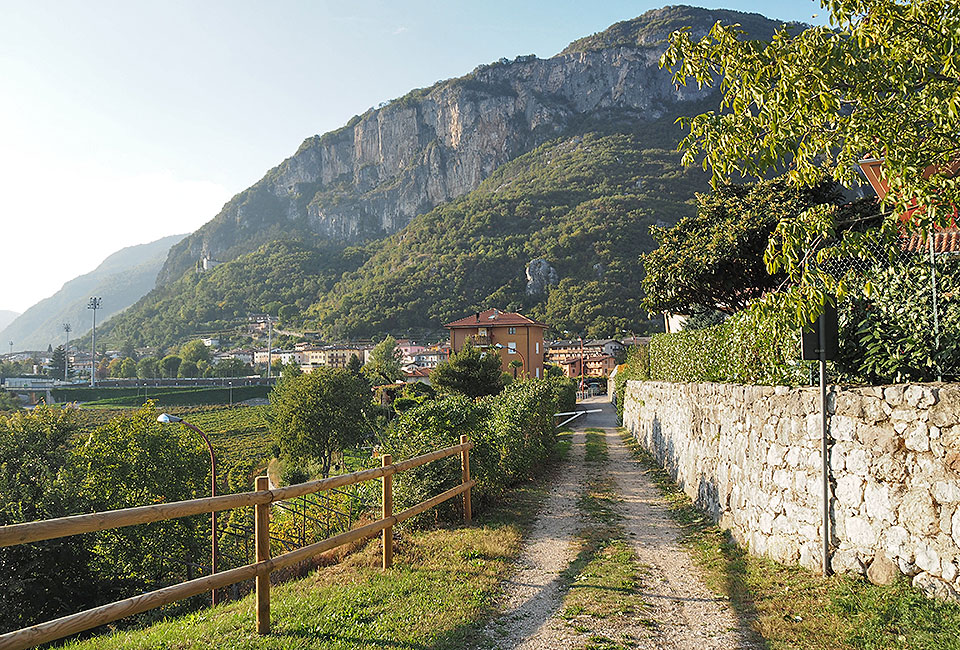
(514, 335)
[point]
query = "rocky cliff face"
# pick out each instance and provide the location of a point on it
(369, 178)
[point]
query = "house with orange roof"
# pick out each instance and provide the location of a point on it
(515, 336)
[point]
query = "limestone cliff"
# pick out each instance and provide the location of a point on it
(371, 177)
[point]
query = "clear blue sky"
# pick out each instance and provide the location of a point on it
(122, 122)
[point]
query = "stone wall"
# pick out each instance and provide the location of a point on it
(750, 457)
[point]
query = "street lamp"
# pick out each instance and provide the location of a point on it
(166, 418)
(523, 368)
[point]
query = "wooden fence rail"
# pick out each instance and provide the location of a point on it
(260, 570)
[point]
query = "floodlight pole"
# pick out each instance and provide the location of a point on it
(66, 363)
(94, 304)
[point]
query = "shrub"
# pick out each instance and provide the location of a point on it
(513, 434)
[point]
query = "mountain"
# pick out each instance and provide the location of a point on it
(121, 279)
(7, 317)
(447, 198)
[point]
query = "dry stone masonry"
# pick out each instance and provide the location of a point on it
(750, 456)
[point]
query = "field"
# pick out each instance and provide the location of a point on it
(162, 396)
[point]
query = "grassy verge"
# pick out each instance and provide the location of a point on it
(603, 602)
(439, 594)
(792, 607)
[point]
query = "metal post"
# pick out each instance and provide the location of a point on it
(824, 451)
(936, 315)
(166, 418)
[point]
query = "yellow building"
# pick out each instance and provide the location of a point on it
(514, 335)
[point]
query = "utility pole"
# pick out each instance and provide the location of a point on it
(269, 345)
(66, 362)
(94, 304)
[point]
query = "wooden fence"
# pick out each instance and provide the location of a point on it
(261, 499)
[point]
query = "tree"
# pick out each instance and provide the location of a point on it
(354, 365)
(148, 368)
(884, 82)
(127, 349)
(132, 461)
(188, 370)
(318, 415)
(169, 365)
(128, 368)
(59, 362)
(384, 364)
(8, 401)
(195, 351)
(113, 369)
(47, 579)
(231, 368)
(471, 371)
(715, 259)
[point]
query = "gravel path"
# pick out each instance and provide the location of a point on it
(533, 593)
(686, 614)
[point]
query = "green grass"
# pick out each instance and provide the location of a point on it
(793, 607)
(439, 594)
(604, 580)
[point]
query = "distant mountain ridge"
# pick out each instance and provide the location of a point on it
(121, 279)
(7, 317)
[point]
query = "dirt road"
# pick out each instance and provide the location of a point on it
(684, 613)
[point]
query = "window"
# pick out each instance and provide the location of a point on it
(512, 347)
(538, 373)
(537, 347)
(511, 330)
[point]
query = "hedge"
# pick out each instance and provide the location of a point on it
(513, 433)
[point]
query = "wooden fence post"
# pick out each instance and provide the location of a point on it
(387, 459)
(262, 546)
(465, 471)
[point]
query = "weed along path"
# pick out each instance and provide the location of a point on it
(603, 567)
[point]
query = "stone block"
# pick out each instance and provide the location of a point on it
(895, 541)
(893, 395)
(891, 469)
(948, 570)
(917, 438)
(810, 556)
(882, 571)
(878, 438)
(946, 492)
(860, 533)
(876, 499)
(920, 397)
(934, 587)
(927, 559)
(846, 561)
(842, 428)
(783, 549)
(955, 532)
(917, 513)
(857, 461)
(849, 491)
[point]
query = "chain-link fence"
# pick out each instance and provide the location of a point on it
(901, 321)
